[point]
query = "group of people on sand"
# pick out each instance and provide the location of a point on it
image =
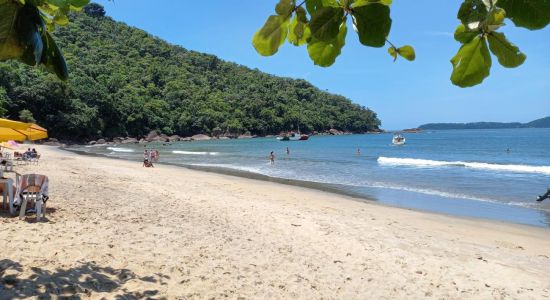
(27, 154)
(150, 156)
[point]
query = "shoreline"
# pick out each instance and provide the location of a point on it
(116, 229)
(333, 188)
(313, 187)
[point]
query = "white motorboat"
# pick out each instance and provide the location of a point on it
(398, 139)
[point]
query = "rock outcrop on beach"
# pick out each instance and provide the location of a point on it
(129, 141)
(200, 137)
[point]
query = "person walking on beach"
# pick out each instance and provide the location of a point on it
(145, 157)
(272, 157)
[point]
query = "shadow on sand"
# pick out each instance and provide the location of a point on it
(74, 283)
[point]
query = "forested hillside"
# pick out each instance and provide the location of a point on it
(539, 123)
(125, 82)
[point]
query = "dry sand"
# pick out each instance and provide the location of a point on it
(117, 230)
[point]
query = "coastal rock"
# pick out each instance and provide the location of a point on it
(143, 141)
(223, 138)
(174, 138)
(335, 132)
(118, 140)
(186, 139)
(246, 135)
(164, 138)
(51, 143)
(91, 143)
(101, 141)
(200, 137)
(151, 136)
(412, 130)
(129, 141)
(230, 135)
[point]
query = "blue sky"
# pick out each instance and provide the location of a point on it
(404, 94)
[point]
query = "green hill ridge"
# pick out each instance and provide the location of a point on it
(539, 123)
(125, 82)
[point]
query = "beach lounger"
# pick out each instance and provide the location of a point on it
(7, 165)
(35, 160)
(32, 188)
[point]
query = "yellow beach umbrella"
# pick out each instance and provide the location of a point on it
(35, 132)
(19, 131)
(14, 124)
(7, 134)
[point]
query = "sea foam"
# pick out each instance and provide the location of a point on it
(117, 149)
(194, 152)
(426, 163)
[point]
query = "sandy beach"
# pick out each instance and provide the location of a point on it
(116, 229)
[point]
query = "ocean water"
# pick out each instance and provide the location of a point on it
(460, 172)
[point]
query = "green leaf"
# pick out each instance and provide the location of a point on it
(530, 14)
(53, 59)
(271, 36)
(330, 3)
(61, 18)
(10, 47)
(298, 32)
(497, 16)
(79, 3)
(393, 52)
(464, 35)
(359, 3)
(472, 63)
(472, 11)
(324, 53)
(301, 14)
(508, 54)
(284, 8)
(325, 23)
(29, 25)
(407, 52)
(496, 19)
(373, 24)
(313, 5)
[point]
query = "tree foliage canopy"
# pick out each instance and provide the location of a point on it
(323, 25)
(126, 82)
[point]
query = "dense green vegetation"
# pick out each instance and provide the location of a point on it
(540, 123)
(125, 82)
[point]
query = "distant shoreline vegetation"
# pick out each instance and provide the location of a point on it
(125, 82)
(539, 123)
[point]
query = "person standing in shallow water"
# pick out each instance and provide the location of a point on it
(287, 151)
(272, 157)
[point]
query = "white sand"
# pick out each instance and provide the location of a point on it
(117, 229)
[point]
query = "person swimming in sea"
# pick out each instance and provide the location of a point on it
(543, 197)
(272, 157)
(358, 151)
(287, 151)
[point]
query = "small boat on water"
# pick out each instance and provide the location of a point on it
(293, 137)
(398, 139)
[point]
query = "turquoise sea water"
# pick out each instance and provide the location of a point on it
(461, 172)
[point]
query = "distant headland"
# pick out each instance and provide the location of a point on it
(540, 123)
